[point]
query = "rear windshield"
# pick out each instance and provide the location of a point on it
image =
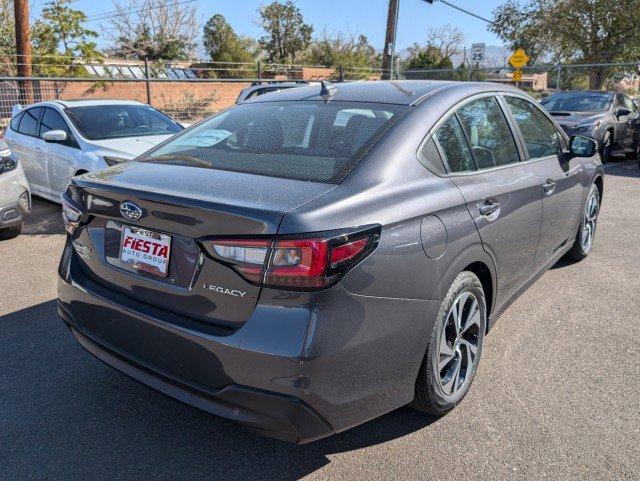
(102, 122)
(311, 141)
(578, 102)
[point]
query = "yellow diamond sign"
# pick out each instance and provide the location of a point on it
(518, 59)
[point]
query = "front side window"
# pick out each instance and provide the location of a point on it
(15, 122)
(540, 134)
(488, 132)
(52, 120)
(298, 140)
(29, 123)
(101, 122)
(450, 136)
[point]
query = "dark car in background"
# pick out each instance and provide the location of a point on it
(610, 118)
(311, 259)
(260, 88)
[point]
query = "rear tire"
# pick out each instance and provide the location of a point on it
(454, 348)
(587, 230)
(11, 232)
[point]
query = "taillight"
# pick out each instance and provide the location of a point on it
(295, 262)
(71, 214)
(245, 256)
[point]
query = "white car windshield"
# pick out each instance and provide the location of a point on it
(101, 122)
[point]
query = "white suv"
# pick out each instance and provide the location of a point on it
(57, 140)
(15, 199)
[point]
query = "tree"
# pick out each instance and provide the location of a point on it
(448, 40)
(59, 38)
(222, 44)
(442, 44)
(426, 58)
(154, 30)
(582, 31)
(346, 51)
(7, 38)
(286, 33)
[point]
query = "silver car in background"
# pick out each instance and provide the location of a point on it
(15, 197)
(59, 139)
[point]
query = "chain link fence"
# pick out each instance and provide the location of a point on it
(540, 80)
(190, 91)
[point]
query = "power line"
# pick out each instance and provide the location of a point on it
(115, 14)
(460, 9)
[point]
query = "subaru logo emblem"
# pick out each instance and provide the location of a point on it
(131, 210)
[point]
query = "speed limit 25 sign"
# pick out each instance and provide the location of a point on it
(477, 52)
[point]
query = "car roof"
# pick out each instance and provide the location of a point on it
(86, 103)
(402, 92)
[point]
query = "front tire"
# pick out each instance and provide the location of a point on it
(587, 230)
(454, 348)
(11, 232)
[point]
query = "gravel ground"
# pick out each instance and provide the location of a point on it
(557, 394)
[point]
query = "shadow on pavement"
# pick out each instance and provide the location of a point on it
(622, 169)
(65, 415)
(45, 218)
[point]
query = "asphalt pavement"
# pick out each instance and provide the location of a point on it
(557, 394)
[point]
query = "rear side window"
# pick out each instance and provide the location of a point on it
(312, 141)
(540, 134)
(29, 123)
(488, 132)
(450, 136)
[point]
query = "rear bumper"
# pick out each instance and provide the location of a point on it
(278, 416)
(300, 368)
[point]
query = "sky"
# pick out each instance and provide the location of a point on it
(366, 17)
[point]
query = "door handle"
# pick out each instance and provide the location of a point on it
(489, 207)
(38, 149)
(549, 187)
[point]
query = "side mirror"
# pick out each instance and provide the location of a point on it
(54, 136)
(582, 146)
(622, 112)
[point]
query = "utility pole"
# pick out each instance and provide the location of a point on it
(389, 51)
(23, 49)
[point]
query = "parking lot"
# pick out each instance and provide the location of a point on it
(557, 394)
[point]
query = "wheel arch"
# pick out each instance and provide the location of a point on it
(599, 182)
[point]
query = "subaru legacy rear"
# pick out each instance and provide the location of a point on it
(292, 263)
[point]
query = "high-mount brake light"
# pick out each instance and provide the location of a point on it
(294, 262)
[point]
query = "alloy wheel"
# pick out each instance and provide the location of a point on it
(589, 223)
(459, 342)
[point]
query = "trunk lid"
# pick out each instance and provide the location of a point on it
(190, 205)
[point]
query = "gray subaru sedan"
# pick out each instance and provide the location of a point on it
(310, 259)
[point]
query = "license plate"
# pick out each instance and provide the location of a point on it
(145, 250)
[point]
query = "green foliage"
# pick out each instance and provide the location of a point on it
(286, 33)
(7, 38)
(59, 38)
(223, 45)
(221, 42)
(579, 31)
(428, 57)
(355, 55)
